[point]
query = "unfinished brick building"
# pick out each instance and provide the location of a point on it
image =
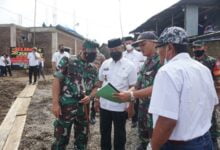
(46, 38)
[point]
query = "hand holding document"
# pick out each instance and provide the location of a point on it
(108, 92)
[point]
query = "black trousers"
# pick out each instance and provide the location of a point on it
(33, 70)
(8, 69)
(3, 71)
(119, 120)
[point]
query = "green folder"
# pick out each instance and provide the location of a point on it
(107, 92)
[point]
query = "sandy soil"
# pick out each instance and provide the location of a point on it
(38, 131)
(8, 91)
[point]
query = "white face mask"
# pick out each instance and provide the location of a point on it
(129, 47)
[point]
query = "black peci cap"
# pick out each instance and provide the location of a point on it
(114, 43)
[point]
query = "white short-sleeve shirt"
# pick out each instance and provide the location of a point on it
(9, 61)
(33, 61)
(136, 57)
(2, 61)
(120, 74)
(184, 91)
(57, 56)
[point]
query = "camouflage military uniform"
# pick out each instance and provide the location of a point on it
(210, 62)
(78, 78)
(145, 79)
(100, 58)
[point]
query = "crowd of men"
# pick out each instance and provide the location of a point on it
(170, 95)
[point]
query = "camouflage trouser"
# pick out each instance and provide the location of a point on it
(214, 131)
(145, 122)
(71, 114)
(93, 112)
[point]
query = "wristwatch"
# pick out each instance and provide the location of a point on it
(132, 98)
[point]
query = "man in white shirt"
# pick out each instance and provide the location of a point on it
(57, 56)
(2, 66)
(33, 59)
(183, 97)
(121, 73)
(132, 54)
(138, 59)
(8, 64)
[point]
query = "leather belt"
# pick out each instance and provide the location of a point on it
(177, 142)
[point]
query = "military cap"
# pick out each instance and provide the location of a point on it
(148, 35)
(90, 45)
(114, 43)
(198, 43)
(174, 35)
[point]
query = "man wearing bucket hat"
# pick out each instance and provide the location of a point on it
(181, 104)
(74, 85)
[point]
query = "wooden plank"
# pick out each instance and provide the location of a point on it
(14, 138)
(22, 110)
(31, 90)
(8, 121)
(19, 108)
(23, 92)
(28, 91)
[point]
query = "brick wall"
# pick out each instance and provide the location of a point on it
(79, 45)
(22, 38)
(44, 41)
(4, 40)
(69, 41)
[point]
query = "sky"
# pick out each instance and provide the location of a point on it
(94, 19)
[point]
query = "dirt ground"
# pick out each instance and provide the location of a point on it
(38, 130)
(9, 89)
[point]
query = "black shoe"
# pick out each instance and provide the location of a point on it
(141, 147)
(34, 83)
(92, 121)
(134, 125)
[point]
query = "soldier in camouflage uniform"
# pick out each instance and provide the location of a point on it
(73, 86)
(199, 50)
(146, 42)
(100, 58)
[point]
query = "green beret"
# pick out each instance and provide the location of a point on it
(90, 45)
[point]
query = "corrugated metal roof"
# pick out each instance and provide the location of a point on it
(175, 11)
(70, 31)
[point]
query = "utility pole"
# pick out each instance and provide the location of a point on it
(35, 14)
(55, 13)
(120, 18)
